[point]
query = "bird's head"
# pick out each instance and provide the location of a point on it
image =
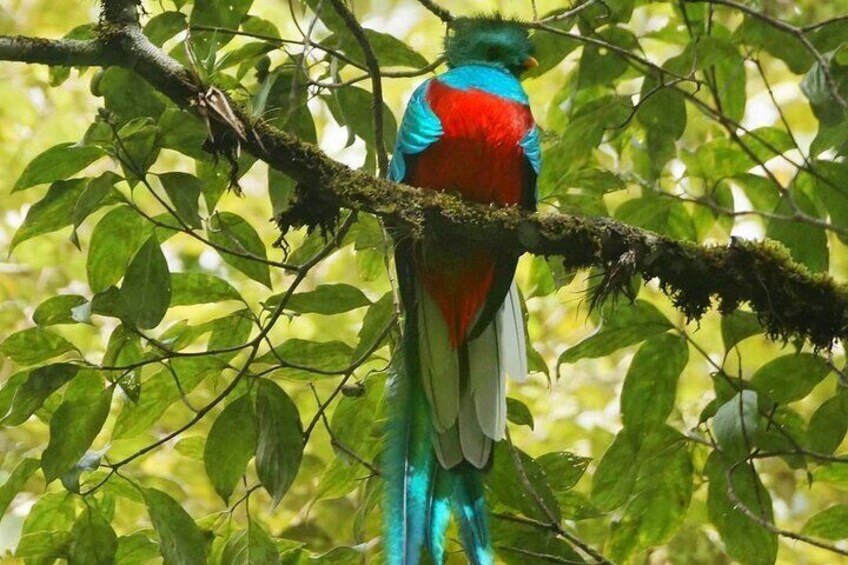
(489, 40)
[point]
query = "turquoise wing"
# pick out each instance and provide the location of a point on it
(419, 129)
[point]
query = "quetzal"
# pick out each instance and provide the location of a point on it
(469, 131)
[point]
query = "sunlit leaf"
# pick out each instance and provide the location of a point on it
(829, 524)
(246, 250)
(60, 162)
(188, 289)
(15, 482)
(75, 424)
(115, 240)
(32, 392)
(51, 213)
(621, 326)
(34, 345)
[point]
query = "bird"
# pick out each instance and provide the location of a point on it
(469, 131)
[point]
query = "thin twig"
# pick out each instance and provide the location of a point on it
(376, 83)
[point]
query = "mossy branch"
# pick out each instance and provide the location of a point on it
(790, 301)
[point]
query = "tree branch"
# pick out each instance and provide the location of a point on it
(376, 83)
(788, 299)
(67, 52)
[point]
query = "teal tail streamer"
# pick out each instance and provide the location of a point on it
(420, 495)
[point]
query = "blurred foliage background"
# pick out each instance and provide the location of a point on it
(629, 444)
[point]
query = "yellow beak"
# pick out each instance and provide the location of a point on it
(530, 62)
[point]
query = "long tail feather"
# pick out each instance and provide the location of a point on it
(439, 514)
(409, 462)
(470, 511)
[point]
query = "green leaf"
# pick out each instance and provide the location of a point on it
(779, 43)
(191, 447)
(352, 109)
(665, 216)
(16, 481)
(39, 384)
(227, 13)
(737, 326)
(115, 240)
(230, 331)
(829, 524)
(620, 326)
(128, 96)
(146, 291)
(616, 473)
(164, 26)
(819, 92)
(506, 480)
(9, 390)
(807, 243)
(45, 545)
(93, 541)
(600, 66)
(60, 162)
(745, 540)
(518, 413)
(250, 547)
(135, 549)
(662, 494)
(230, 445)
(735, 425)
(279, 447)
(356, 424)
(139, 147)
(34, 345)
(378, 316)
(552, 48)
(730, 81)
(650, 386)
(563, 469)
(51, 213)
(790, 377)
(46, 529)
(828, 188)
(159, 391)
(180, 540)
(327, 357)
(828, 425)
(57, 310)
(662, 108)
(763, 193)
(325, 299)
(390, 51)
(721, 158)
(184, 132)
(75, 424)
(184, 191)
(232, 232)
(513, 541)
(188, 289)
(59, 74)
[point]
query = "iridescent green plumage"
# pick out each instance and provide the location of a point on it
(489, 41)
